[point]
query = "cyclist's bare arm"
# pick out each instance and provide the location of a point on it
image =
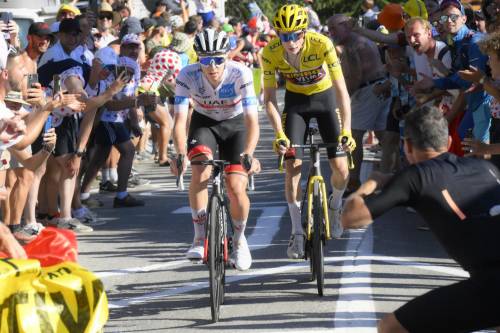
(253, 132)
(343, 102)
(271, 104)
(180, 133)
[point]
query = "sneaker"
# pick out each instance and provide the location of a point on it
(107, 187)
(71, 224)
(295, 248)
(135, 180)
(196, 251)
(27, 233)
(335, 221)
(128, 201)
(49, 219)
(86, 216)
(92, 203)
(242, 259)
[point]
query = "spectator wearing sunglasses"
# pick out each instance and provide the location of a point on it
(465, 53)
(106, 20)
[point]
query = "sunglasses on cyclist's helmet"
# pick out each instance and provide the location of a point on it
(216, 61)
(291, 36)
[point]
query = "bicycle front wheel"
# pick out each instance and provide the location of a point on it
(216, 256)
(317, 239)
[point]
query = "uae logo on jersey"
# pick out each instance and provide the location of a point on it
(227, 91)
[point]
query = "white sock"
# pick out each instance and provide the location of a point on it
(105, 175)
(239, 229)
(113, 175)
(84, 196)
(295, 216)
(199, 219)
(336, 198)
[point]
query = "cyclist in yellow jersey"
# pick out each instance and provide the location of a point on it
(308, 62)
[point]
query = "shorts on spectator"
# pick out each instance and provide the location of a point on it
(109, 134)
(368, 111)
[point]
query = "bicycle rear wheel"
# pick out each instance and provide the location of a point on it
(317, 239)
(216, 266)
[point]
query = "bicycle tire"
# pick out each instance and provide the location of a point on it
(317, 239)
(215, 257)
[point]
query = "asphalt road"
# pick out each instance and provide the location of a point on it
(139, 255)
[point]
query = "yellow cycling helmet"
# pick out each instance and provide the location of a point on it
(290, 18)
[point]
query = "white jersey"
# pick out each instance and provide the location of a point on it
(234, 95)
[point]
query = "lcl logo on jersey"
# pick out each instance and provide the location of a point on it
(227, 91)
(311, 57)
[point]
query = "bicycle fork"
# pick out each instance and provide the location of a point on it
(310, 193)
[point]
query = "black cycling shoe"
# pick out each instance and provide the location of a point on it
(128, 201)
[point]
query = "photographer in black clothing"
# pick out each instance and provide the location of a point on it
(460, 200)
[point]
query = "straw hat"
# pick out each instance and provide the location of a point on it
(106, 8)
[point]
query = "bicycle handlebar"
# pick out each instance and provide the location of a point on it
(350, 161)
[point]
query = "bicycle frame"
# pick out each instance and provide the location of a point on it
(313, 177)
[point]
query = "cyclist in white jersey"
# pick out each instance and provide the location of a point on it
(224, 118)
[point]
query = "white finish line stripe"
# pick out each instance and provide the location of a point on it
(358, 305)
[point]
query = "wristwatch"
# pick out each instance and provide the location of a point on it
(80, 153)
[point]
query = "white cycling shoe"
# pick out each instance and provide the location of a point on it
(335, 220)
(295, 248)
(196, 251)
(241, 258)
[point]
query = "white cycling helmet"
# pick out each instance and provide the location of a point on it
(211, 42)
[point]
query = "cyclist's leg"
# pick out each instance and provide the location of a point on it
(295, 122)
(329, 127)
(232, 134)
(201, 145)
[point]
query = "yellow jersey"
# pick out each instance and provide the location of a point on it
(318, 65)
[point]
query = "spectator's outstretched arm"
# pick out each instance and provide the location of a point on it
(378, 36)
(9, 244)
(36, 120)
(92, 105)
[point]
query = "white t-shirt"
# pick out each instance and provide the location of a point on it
(6, 113)
(423, 65)
(234, 95)
(128, 91)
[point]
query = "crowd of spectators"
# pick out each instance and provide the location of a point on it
(88, 93)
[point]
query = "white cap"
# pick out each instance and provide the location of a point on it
(107, 56)
(131, 39)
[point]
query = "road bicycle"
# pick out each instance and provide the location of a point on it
(218, 240)
(315, 217)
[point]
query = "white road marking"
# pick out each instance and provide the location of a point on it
(358, 306)
(150, 268)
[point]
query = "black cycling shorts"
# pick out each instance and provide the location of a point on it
(109, 134)
(207, 134)
(466, 306)
(300, 109)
